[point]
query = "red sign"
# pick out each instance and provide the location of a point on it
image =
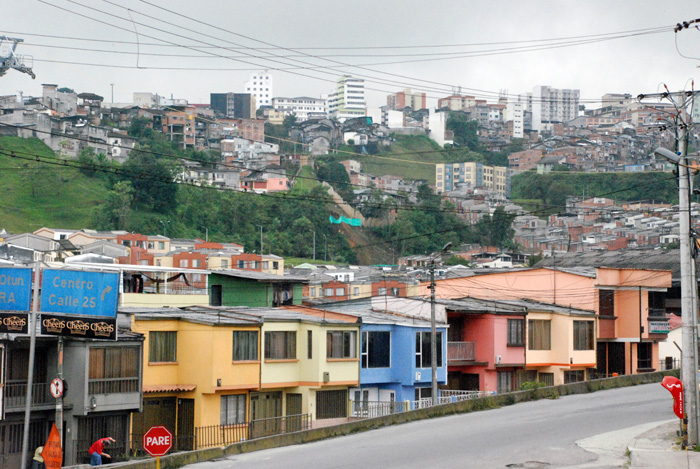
(53, 453)
(157, 441)
(675, 387)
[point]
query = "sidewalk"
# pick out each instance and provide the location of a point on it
(660, 448)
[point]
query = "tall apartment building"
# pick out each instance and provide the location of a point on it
(515, 111)
(456, 102)
(260, 86)
(552, 105)
(448, 176)
(303, 108)
(406, 99)
(238, 105)
(348, 99)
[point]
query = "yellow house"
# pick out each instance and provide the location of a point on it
(199, 368)
(216, 375)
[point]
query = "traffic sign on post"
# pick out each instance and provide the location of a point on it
(80, 292)
(157, 441)
(57, 387)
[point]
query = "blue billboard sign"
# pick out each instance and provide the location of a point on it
(79, 292)
(15, 289)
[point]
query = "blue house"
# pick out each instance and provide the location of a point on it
(395, 360)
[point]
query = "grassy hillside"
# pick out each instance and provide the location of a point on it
(401, 159)
(36, 194)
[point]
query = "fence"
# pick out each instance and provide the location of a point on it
(669, 363)
(368, 410)
(113, 385)
(223, 435)
(461, 351)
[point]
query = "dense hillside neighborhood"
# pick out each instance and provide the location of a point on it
(251, 263)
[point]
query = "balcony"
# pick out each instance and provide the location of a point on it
(461, 352)
(16, 396)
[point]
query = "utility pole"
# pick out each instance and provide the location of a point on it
(261, 239)
(689, 286)
(433, 327)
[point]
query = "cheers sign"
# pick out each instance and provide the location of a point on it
(84, 327)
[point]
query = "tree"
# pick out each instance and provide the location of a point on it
(152, 179)
(497, 229)
(464, 129)
(115, 214)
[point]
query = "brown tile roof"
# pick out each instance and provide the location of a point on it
(169, 387)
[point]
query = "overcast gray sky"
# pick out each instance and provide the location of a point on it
(611, 46)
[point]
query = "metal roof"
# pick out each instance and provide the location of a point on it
(259, 276)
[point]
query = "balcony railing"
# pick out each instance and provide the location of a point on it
(16, 395)
(461, 351)
(113, 385)
(368, 410)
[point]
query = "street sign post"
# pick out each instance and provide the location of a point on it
(157, 441)
(80, 292)
(15, 289)
(57, 387)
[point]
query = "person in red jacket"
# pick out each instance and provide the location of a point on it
(97, 450)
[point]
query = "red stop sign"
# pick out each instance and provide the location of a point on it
(157, 441)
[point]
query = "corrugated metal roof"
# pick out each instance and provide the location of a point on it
(260, 276)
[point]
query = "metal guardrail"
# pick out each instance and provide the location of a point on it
(223, 435)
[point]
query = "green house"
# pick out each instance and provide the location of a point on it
(250, 288)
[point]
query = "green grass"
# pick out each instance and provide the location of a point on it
(400, 158)
(306, 179)
(36, 195)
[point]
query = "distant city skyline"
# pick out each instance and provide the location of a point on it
(596, 47)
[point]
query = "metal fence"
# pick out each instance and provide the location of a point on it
(113, 385)
(16, 395)
(669, 363)
(368, 410)
(223, 435)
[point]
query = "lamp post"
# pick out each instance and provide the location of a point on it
(433, 331)
(689, 312)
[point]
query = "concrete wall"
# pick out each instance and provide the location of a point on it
(181, 459)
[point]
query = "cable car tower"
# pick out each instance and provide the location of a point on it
(8, 58)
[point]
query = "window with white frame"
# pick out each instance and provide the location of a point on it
(340, 292)
(423, 351)
(376, 349)
(381, 291)
(328, 292)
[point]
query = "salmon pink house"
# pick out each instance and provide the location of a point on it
(629, 303)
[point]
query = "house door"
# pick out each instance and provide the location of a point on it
(185, 425)
(156, 411)
(264, 407)
(216, 297)
(616, 358)
(293, 409)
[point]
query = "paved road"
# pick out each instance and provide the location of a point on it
(537, 434)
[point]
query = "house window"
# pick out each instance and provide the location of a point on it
(196, 277)
(539, 337)
(341, 344)
(162, 346)
(376, 349)
(266, 265)
(506, 383)
(423, 359)
(280, 345)
(381, 291)
(328, 292)
(310, 344)
(312, 292)
(546, 378)
(275, 265)
(245, 345)
(356, 291)
(606, 303)
(195, 263)
(224, 263)
(395, 291)
(340, 292)
(233, 409)
(516, 332)
(242, 264)
(574, 376)
(183, 262)
(583, 335)
(161, 244)
(114, 370)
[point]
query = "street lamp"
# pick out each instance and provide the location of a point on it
(689, 308)
(433, 332)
